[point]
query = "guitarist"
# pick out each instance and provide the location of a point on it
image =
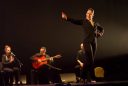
(42, 71)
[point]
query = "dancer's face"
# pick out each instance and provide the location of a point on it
(89, 14)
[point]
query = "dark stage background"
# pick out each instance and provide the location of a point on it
(28, 25)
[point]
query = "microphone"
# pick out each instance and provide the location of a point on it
(17, 59)
(13, 54)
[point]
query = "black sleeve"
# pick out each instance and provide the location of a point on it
(99, 27)
(77, 56)
(74, 21)
(81, 56)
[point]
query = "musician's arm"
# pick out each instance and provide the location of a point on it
(50, 58)
(78, 59)
(5, 59)
(80, 63)
(33, 57)
(11, 59)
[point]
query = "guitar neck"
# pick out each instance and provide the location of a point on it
(57, 56)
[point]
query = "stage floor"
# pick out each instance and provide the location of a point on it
(106, 83)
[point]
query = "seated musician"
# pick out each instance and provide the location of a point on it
(41, 64)
(10, 67)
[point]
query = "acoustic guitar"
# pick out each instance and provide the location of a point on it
(40, 61)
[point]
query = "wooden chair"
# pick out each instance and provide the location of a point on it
(99, 73)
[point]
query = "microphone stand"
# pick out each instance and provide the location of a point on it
(19, 62)
(20, 65)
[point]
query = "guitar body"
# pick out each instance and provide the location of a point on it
(37, 64)
(40, 61)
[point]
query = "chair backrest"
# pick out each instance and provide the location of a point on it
(99, 72)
